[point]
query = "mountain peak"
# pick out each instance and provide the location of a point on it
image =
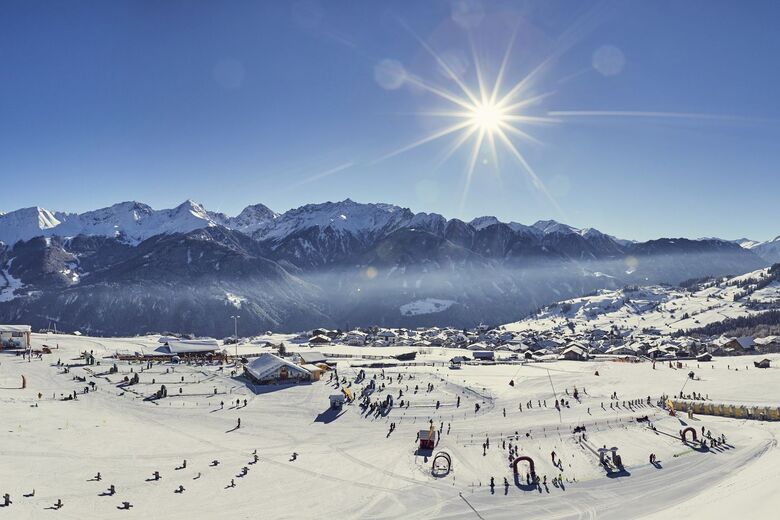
(483, 222)
(25, 223)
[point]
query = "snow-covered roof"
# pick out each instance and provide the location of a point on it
(268, 363)
(15, 328)
(577, 349)
(311, 357)
(189, 346)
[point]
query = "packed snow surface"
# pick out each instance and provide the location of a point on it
(349, 464)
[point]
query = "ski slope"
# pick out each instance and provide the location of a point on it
(350, 466)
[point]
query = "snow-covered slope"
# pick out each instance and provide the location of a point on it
(665, 309)
(769, 251)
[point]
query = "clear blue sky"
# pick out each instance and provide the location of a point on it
(233, 103)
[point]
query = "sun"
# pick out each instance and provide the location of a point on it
(483, 116)
(488, 117)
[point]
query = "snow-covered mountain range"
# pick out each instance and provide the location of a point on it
(329, 264)
(133, 222)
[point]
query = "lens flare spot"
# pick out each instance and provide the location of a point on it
(631, 264)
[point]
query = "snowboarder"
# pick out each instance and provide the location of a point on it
(6, 500)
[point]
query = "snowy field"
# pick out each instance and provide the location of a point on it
(350, 465)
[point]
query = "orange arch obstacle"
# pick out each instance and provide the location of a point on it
(530, 462)
(684, 434)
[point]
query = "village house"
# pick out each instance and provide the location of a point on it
(311, 358)
(767, 344)
(388, 337)
(622, 350)
(319, 339)
(575, 353)
(484, 355)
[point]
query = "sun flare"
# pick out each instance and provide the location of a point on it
(484, 116)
